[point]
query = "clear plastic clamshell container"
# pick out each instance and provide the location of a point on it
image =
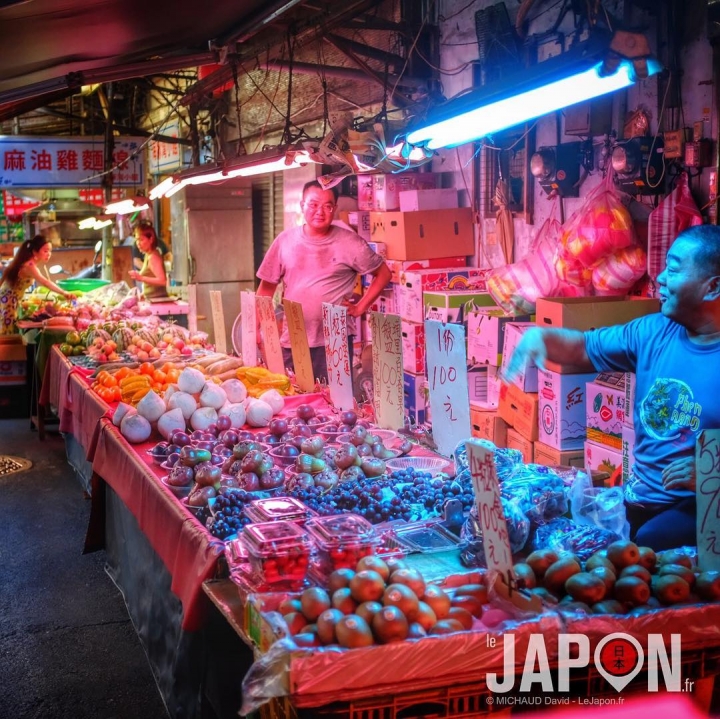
(279, 553)
(273, 509)
(342, 540)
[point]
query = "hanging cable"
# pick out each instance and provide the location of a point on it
(286, 129)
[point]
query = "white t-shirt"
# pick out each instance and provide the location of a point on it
(314, 271)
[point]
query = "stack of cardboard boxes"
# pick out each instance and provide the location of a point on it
(14, 400)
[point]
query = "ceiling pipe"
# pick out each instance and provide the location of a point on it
(257, 23)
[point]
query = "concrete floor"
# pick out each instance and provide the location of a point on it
(67, 647)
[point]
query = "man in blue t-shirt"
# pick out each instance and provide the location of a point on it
(675, 355)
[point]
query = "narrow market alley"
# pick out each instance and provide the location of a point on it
(67, 647)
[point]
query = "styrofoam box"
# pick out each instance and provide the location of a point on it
(439, 199)
(527, 380)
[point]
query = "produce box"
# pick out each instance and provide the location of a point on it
(13, 373)
(486, 424)
(527, 380)
(413, 346)
(360, 220)
(602, 458)
(516, 441)
(605, 409)
(366, 200)
(551, 457)
(561, 409)
(386, 302)
(438, 199)
(452, 305)
(420, 235)
(484, 385)
(413, 285)
(628, 451)
(629, 398)
(415, 391)
(399, 267)
(520, 410)
(387, 187)
(486, 334)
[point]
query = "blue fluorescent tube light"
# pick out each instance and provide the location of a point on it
(542, 90)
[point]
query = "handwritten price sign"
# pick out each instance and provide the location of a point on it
(707, 472)
(448, 384)
(270, 335)
(248, 324)
(338, 356)
(388, 398)
(299, 344)
(218, 316)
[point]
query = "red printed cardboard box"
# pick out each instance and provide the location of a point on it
(399, 267)
(413, 346)
(605, 409)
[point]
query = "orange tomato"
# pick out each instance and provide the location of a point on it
(102, 375)
(147, 368)
(172, 376)
(157, 387)
(116, 394)
(159, 376)
(122, 373)
(109, 381)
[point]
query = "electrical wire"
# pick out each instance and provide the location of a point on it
(449, 71)
(655, 137)
(412, 47)
(445, 18)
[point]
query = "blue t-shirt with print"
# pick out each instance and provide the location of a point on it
(677, 395)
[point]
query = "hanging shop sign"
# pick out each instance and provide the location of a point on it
(44, 162)
(448, 384)
(14, 206)
(165, 156)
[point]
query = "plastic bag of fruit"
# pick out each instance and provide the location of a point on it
(562, 534)
(598, 506)
(538, 489)
(518, 527)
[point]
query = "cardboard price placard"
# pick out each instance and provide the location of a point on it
(388, 398)
(295, 320)
(707, 473)
(192, 309)
(248, 324)
(270, 334)
(338, 356)
(448, 384)
(218, 317)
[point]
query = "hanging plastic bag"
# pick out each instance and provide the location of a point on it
(617, 273)
(602, 507)
(675, 213)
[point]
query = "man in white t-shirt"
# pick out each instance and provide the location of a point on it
(319, 262)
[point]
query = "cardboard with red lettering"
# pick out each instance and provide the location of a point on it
(338, 356)
(388, 395)
(486, 424)
(448, 384)
(413, 347)
(437, 199)
(420, 235)
(605, 459)
(514, 440)
(454, 305)
(561, 409)
(415, 394)
(486, 334)
(605, 409)
(629, 398)
(527, 379)
(387, 187)
(399, 267)
(414, 284)
(520, 410)
(366, 201)
(551, 457)
(628, 451)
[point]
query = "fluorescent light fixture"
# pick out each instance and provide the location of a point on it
(128, 205)
(102, 222)
(561, 81)
(56, 270)
(87, 224)
(160, 189)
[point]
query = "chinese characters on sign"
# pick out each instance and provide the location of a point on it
(496, 542)
(67, 162)
(299, 345)
(270, 335)
(166, 156)
(707, 472)
(388, 398)
(338, 356)
(448, 384)
(218, 316)
(248, 323)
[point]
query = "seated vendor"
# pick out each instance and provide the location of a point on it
(152, 273)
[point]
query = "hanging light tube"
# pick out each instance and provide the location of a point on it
(567, 79)
(128, 205)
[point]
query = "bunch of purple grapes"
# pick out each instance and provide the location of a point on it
(229, 518)
(432, 492)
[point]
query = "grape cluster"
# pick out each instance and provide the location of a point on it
(229, 518)
(431, 492)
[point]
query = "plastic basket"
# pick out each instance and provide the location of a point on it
(434, 465)
(82, 285)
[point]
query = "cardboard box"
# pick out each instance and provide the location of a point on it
(551, 457)
(484, 385)
(454, 306)
(414, 284)
(13, 361)
(366, 200)
(527, 380)
(520, 410)
(413, 346)
(516, 441)
(488, 425)
(628, 451)
(561, 409)
(379, 248)
(486, 334)
(630, 399)
(415, 391)
(605, 409)
(360, 220)
(399, 267)
(418, 200)
(602, 458)
(421, 235)
(12, 373)
(387, 188)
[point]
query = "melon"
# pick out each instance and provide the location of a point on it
(146, 336)
(92, 335)
(122, 338)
